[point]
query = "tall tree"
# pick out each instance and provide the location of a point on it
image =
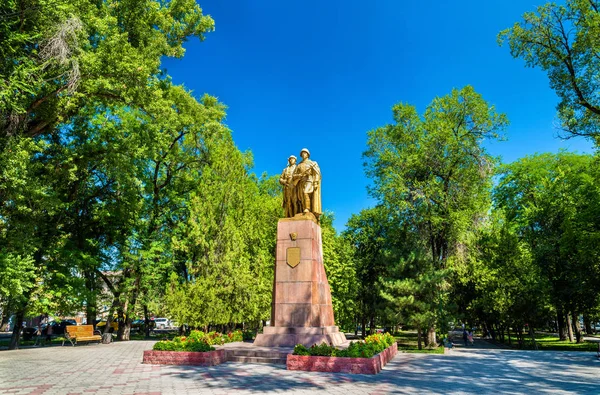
(339, 262)
(370, 235)
(434, 173)
(563, 40)
(553, 200)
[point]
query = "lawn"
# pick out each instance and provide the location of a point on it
(407, 342)
(545, 342)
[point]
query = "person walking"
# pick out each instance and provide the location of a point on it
(49, 333)
(470, 337)
(465, 337)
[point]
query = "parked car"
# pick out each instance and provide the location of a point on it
(162, 323)
(139, 325)
(114, 326)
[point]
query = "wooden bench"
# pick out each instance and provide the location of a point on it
(75, 333)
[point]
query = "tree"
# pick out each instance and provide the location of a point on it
(338, 259)
(553, 200)
(371, 237)
(56, 57)
(563, 40)
(78, 81)
(433, 173)
(226, 245)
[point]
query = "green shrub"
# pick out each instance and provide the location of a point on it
(300, 349)
(372, 345)
(198, 346)
(194, 342)
(248, 335)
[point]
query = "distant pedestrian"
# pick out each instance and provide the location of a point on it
(470, 337)
(465, 337)
(49, 333)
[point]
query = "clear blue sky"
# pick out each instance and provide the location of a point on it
(320, 74)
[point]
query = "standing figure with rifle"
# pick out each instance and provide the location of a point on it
(307, 178)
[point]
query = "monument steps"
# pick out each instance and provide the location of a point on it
(257, 356)
(276, 361)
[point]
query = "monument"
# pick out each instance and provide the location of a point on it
(301, 311)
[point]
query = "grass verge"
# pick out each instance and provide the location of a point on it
(552, 343)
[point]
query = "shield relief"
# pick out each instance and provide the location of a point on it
(293, 256)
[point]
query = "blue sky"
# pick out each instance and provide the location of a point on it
(320, 74)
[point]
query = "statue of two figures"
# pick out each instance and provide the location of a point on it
(301, 186)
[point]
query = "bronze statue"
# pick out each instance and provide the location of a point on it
(307, 179)
(290, 197)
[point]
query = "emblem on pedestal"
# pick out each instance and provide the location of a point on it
(293, 256)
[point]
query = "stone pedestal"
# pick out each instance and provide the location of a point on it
(301, 309)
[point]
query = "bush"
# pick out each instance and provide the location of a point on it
(198, 341)
(372, 345)
(192, 343)
(248, 335)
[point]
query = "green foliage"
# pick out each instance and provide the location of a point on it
(248, 335)
(340, 267)
(563, 41)
(373, 241)
(198, 341)
(109, 171)
(551, 203)
(432, 175)
(183, 344)
(226, 244)
(372, 345)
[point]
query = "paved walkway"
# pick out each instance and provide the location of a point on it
(117, 369)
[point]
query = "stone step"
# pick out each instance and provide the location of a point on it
(244, 359)
(256, 353)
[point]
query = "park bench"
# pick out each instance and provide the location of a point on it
(75, 333)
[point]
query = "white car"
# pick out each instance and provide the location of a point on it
(162, 323)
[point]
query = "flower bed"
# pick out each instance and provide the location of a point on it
(195, 349)
(371, 365)
(367, 357)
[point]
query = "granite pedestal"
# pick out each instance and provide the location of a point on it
(302, 312)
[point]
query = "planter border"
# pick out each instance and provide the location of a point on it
(371, 365)
(196, 358)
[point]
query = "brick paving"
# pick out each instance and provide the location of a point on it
(117, 369)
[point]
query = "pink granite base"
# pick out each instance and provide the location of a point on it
(371, 365)
(209, 358)
(278, 336)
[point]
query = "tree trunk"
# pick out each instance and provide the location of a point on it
(90, 305)
(431, 338)
(5, 317)
(587, 324)
(532, 334)
(147, 323)
(16, 334)
(111, 311)
(570, 327)
(419, 336)
(578, 334)
(562, 327)
(364, 327)
(121, 322)
(508, 334)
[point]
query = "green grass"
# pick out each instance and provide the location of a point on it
(553, 343)
(408, 342)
